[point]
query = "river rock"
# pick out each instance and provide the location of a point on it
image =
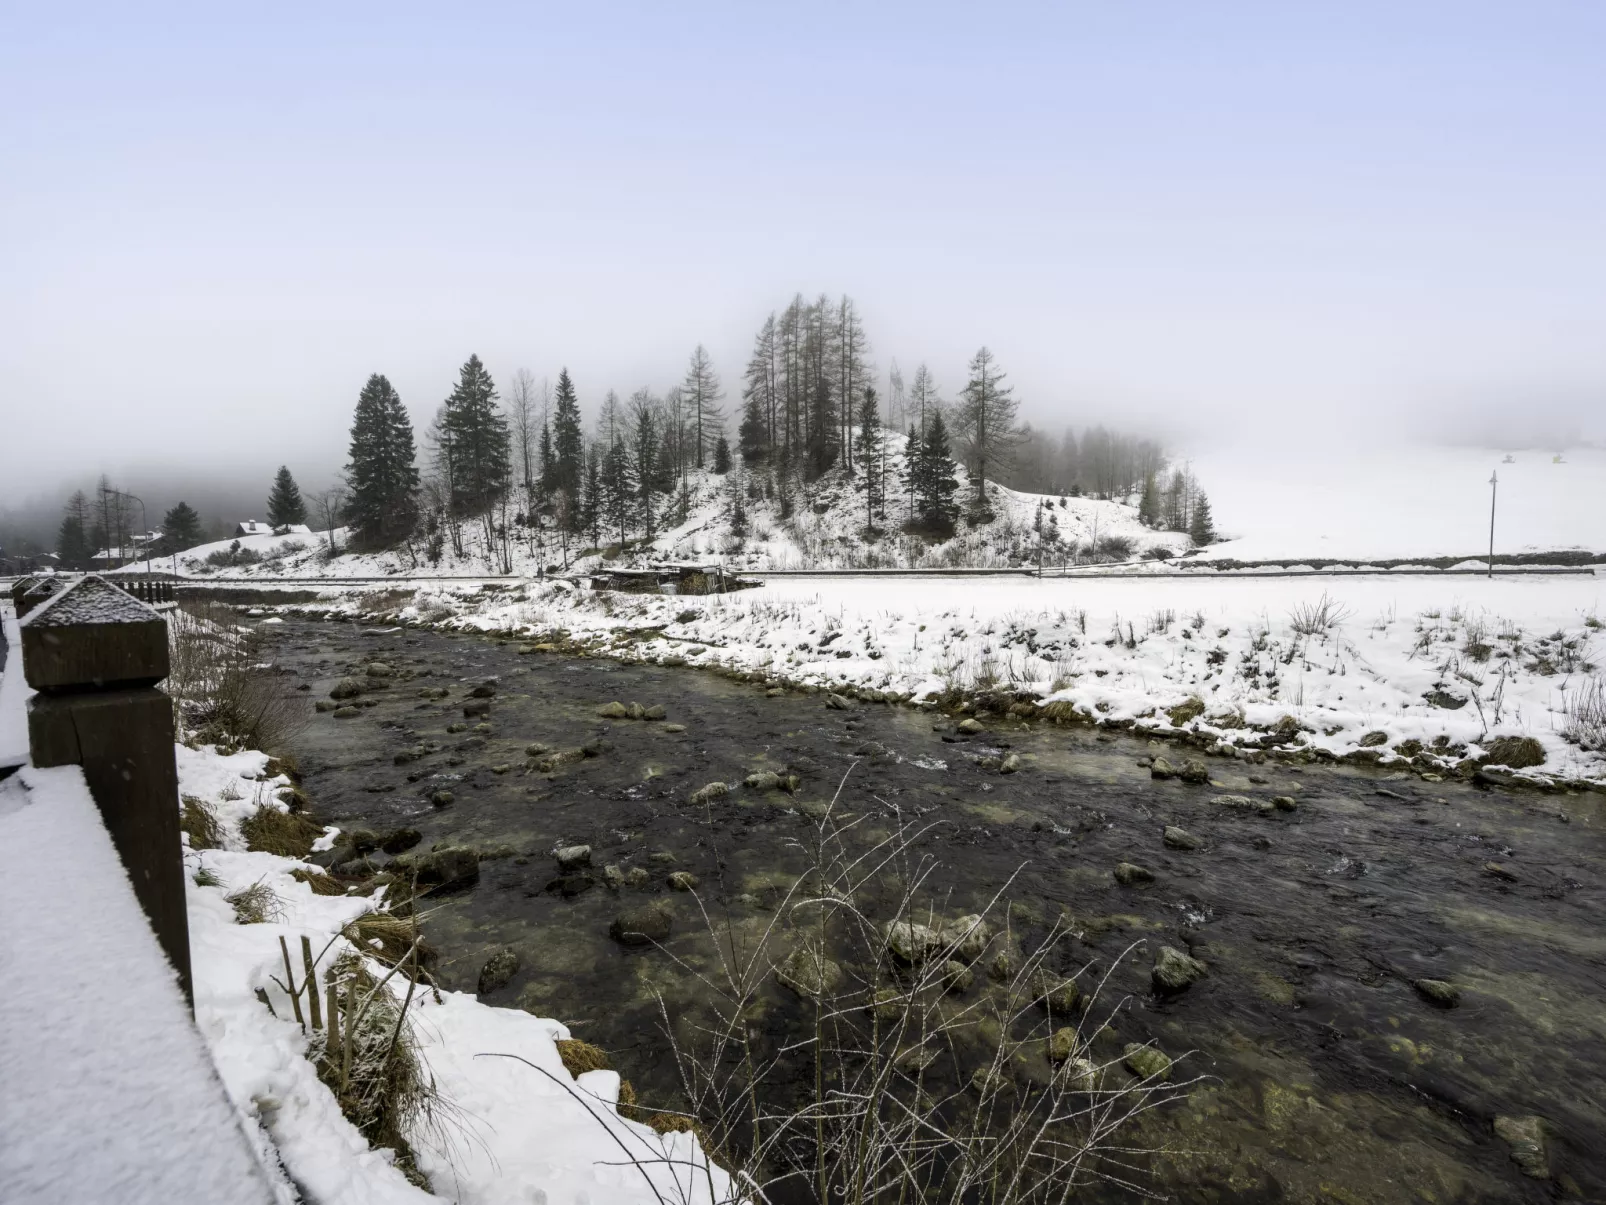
(485, 690)
(612, 711)
(379, 669)
(655, 712)
(682, 880)
(809, 973)
(956, 977)
(536, 749)
(1130, 874)
(764, 780)
(674, 728)
(399, 841)
(1058, 996)
(1180, 838)
(322, 705)
(709, 793)
(1010, 764)
(501, 767)
(441, 798)
(346, 688)
(1498, 871)
(346, 712)
(1238, 803)
(1162, 769)
(966, 937)
(1175, 971)
(969, 726)
(1526, 1138)
(454, 867)
(836, 702)
(1194, 772)
(477, 708)
(1438, 992)
(498, 970)
(571, 885)
(641, 926)
(637, 876)
(1284, 803)
(1146, 1062)
(1003, 967)
(572, 857)
(911, 941)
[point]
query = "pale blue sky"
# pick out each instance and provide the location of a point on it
(1233, 211)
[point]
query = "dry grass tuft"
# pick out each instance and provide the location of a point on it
(223, 694)
(272, 831)
(256, 904)
(321, 884)
(200, 823)
(579, 1057)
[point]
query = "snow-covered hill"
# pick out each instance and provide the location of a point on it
(740, 519)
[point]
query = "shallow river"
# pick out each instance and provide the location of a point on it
(1332, 1079)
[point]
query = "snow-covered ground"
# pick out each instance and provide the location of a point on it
(1464, 659)
(508, 1134)
(1334, 498)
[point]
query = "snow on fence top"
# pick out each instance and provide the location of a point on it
(91, 599)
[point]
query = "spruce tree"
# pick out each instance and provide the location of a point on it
(1201, 528)
(752, 437)
(479, 440)
(72, 544)
(284, 500)
(181, 528)
(591, 508)
(938, 482)
(722, 456)
(568, 445)
(618, 486)
(382, 473)
(1149, 504)
(987, 421)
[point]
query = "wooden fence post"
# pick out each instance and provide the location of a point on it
(95, 654)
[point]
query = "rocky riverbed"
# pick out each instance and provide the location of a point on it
(1393, 986)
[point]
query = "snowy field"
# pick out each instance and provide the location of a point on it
(1335, 500)
(1461, 660)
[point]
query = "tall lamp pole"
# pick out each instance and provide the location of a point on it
(1494, 479)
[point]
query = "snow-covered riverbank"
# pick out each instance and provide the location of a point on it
(1373, 667)
(506, 1131)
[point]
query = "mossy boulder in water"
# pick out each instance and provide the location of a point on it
(572, 857)
(911, 941)
(641, 926)
(346, 688)
(1146, 1062)
(809, 973)
(1175, 971)
(498, 970)
(713, 791)
(1162, 769)
(379, 669)
(1438, 992)
(1194, 772)
(966, 937)
(1180, 838)
(1059, 996)
(612, 711)
(682, 880)
(1526, 1138)
(1129, 874)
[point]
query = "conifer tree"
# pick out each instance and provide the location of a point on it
(646, 450)
(702, 393)
(870, 452)
(181, 528)
(722, 456)
(752, 437)
(568, 450)
(479, 442)
(381, 471)
(987, 421)
(1149, 503)
(937, 484)
(822, 432)
(618, 486)
(1200, 527)
(591, 511)
(284, 500)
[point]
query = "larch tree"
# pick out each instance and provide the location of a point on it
(987, 421)
(761, 396)
(381, 469)
(848, 362)
(871, 451)
(284, 500)
(702, 393)
(72, 540)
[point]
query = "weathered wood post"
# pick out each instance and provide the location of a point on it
(95, 654)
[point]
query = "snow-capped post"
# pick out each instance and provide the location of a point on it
(95, 654)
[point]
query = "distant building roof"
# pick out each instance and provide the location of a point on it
(292, 529)
(252, 527)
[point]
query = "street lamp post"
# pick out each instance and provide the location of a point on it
(142, 520)
(1494, 479)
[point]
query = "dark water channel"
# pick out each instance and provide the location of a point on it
(1333, 1079)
